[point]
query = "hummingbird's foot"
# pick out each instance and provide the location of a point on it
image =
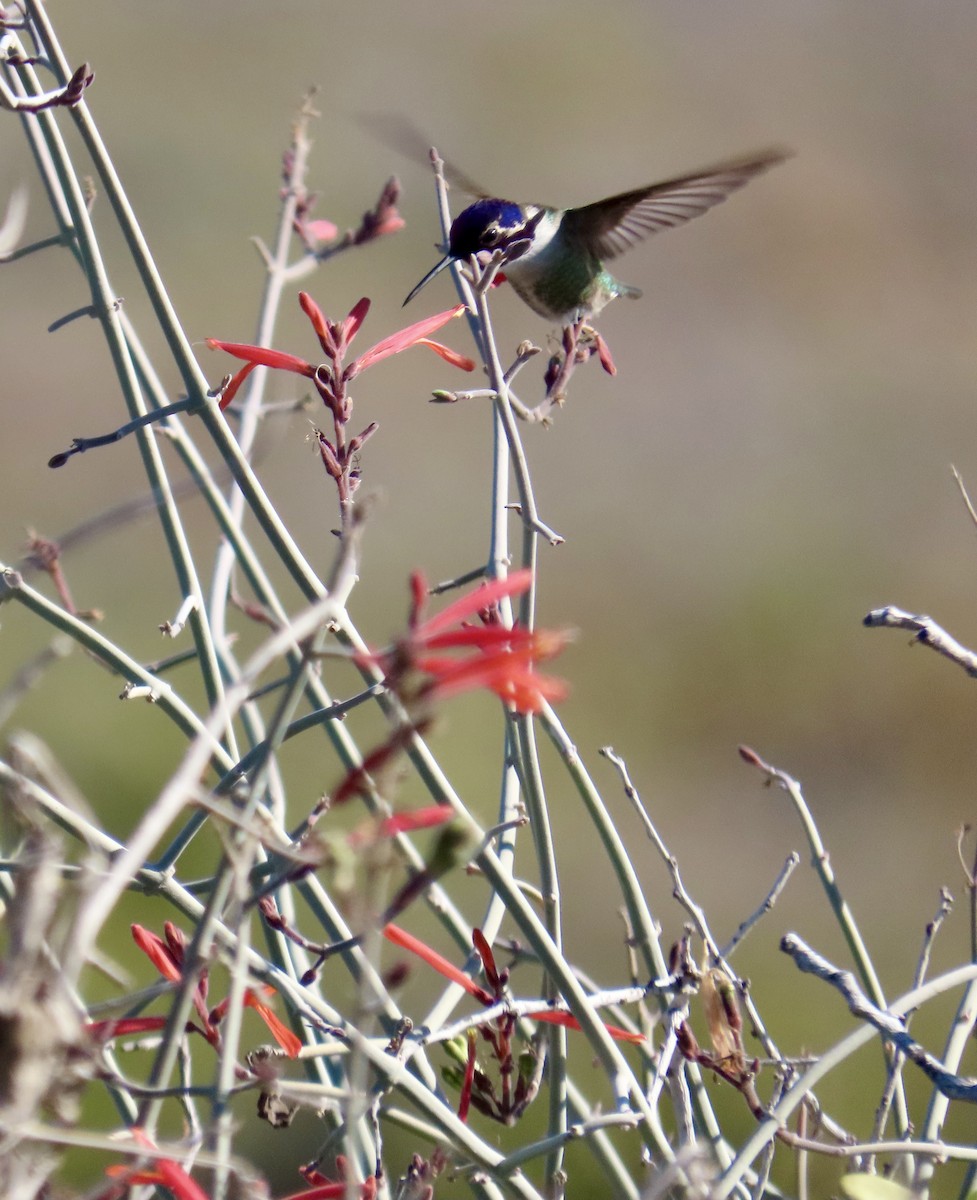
(580, 341)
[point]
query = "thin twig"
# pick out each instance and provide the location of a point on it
(925, 630)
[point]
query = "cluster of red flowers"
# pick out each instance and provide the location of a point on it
(167, 954)
(330, 377)
(168, 1173)
(501, 659)
(517, 1080)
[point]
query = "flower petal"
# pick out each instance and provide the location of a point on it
(419, 593)
(544, 643)
(232, 389)
(289, 1041)
(157, 951)
(114, 1027)
(176, 1180)
(474, 602)
(261, 356)
(165, 1171)
(604, 354)
(322, 1191)
(465, 1100)
(508, 675)
(450, 356)
(349, 328)
(321, 229)
(486, 954)
(530, 694)
(371, 832)
(565, 1019)
(407, 941)
(479, 670)
(323, 327)
(421, 818)
(402, 340)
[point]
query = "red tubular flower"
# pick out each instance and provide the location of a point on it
(228, 393)
(417, 334)
(507, 672)
(321, 229)
(335, 338)
(503, 659)
(485, 952)
(259, 356)
(407, 941)
(604, 354)
(564, 1019)
(421, 818)
(481, 599)
(256, 356)
(322, 1188)
(336, 1191)
(168, 958)
(465, 1099)
(461, 361)
(164, 1171)
(428, 817)
(159, 953)
(321, 1191)
(350, 326)
(288, 1041)
(105, 1031)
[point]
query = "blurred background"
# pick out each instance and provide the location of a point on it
(771, 461)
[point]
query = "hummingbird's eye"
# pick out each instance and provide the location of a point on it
(491, 236)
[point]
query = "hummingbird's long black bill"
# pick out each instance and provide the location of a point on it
(436, 270)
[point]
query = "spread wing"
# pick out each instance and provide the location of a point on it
(399, 133)
(610, 227)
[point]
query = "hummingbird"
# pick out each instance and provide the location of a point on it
(558, 259)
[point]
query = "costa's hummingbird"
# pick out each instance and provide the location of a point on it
(560, 270)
